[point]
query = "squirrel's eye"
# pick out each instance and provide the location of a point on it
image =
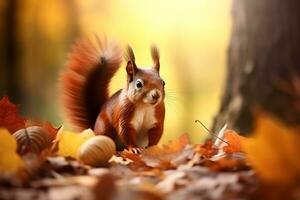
(139, 84)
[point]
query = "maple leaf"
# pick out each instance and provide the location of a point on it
(234, 142)
(10, 161)
(9, 116)
(69, 142)
(274, 150)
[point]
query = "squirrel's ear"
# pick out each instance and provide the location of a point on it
(155, 57)
(131, 69)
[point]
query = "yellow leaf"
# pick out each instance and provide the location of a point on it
(10, 161)
(274, 150)
(69, 142)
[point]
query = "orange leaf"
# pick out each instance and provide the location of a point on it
(234, 140)
(138, 163)
(172, 147)
(226, 164)
(161, 156)
(274, 150)
(9, 116)
(207, 149)
(50, 130)
(132, 156)
(177, 144)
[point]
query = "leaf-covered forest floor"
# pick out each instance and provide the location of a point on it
(181, 175)
(33, 169)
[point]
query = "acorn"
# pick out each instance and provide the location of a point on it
(96, 151)
(33, 139)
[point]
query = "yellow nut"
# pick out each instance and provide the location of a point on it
(96, 151)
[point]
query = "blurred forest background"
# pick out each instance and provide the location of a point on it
(36, 36)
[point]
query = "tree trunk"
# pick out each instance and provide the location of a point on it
(263, 64)
(12, 84)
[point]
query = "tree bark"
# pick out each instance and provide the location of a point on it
(263, 68)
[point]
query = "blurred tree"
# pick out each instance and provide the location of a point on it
(34, 38)
(11, 68)
(54, 27)
(263, 69)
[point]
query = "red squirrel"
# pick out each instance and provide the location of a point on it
(133, 116)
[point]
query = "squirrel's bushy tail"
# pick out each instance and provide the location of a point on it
(85, 81)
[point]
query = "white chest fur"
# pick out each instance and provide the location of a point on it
(143, 120)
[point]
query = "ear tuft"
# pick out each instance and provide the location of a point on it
(131, 67)
(131, 70)
(155, 57)
(129, 56)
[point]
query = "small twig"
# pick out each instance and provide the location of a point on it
(210, 132)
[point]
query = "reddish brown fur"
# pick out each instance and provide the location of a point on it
(116, 118)
(156, 132)
(85, 81)
(85, 92)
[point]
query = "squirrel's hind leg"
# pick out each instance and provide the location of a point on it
(104, 127)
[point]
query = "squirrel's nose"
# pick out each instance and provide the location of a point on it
(155, 95)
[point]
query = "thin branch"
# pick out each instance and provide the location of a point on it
(210, 132)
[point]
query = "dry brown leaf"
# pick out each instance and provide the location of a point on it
(228, 164)
(162, 156)
(207, 149)
(182, 157)
(137, 162)
(169, 183)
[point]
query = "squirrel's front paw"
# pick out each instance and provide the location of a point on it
(135, 150)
